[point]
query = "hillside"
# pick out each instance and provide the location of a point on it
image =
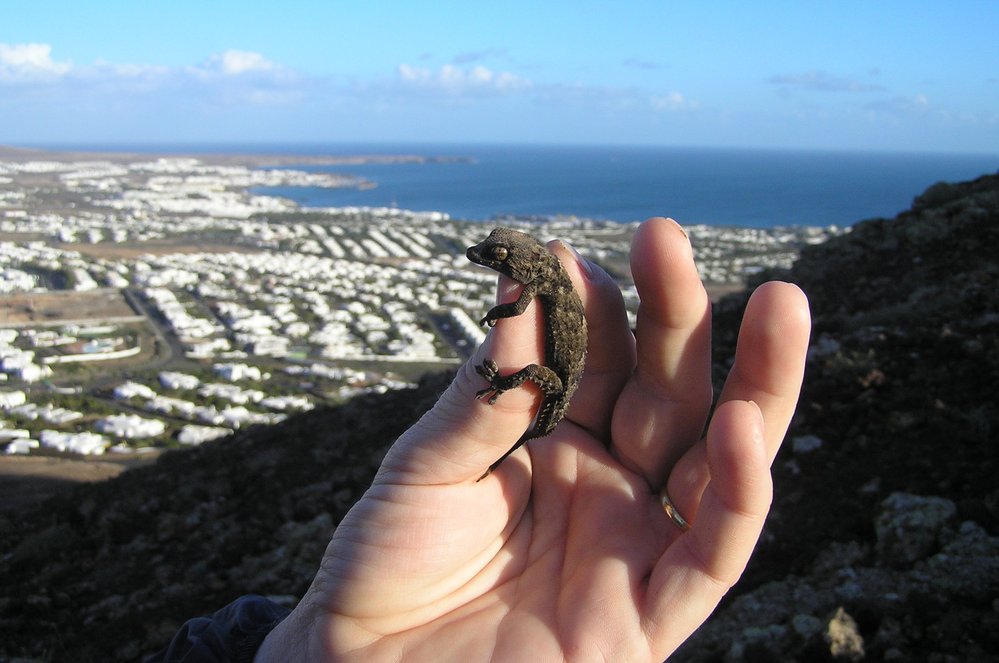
(108, 571)
(886, 502)
(883, 537)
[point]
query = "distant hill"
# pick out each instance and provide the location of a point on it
(882, 536)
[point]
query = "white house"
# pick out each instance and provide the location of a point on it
(194, 435)
(128, 390)
(235, 372)
(10, 399)
(81, 443)
(130, 426)
(21, 445)
(172, 380)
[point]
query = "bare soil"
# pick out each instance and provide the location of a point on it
(52, 307)
(28, 480)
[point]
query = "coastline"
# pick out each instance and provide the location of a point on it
(356, 294)
(741, 188)
(250, 159)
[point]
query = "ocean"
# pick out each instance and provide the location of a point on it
(755, 188)
(731, 187)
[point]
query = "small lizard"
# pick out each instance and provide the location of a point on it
(528, 261)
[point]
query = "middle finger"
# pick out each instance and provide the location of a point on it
(662, 409)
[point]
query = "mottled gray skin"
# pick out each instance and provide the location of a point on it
(528, 261)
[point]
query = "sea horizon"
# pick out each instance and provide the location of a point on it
(748, 187)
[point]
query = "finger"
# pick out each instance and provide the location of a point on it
(770, 356)
(699, 568)
(610, 353)
(768, 368)
(663, 406)
(462, 435)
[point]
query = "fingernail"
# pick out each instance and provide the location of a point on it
(507, 288)
(584, 264)
(678, 227)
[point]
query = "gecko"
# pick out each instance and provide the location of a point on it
(529, 262)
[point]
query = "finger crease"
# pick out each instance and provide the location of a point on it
(659, 390)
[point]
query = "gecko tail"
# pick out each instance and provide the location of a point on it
(492, 467)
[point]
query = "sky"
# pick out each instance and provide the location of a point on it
(899, 76)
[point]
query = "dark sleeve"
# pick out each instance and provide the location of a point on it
(231, 635)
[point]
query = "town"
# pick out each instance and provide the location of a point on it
(156, 302)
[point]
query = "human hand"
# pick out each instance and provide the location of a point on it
(565, 551)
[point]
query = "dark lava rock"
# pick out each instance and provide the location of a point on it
(893, 516)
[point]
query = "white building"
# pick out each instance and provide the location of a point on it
(270, 346)
(20, 445)
(128, 390)
(130, 426)
(32, 372)
(194, 435)
(81, 443)
(236, 372)
(172, 380)
(58, 415)
(8, 434)
(287, 403)
(168, 405)
(11, 399)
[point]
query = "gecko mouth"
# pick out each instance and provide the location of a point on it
(475, 255)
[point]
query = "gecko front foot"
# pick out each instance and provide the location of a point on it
(490, 371)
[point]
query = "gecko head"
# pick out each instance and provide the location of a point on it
(510, 252)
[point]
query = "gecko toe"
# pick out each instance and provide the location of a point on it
(492, 392)
(487, 369)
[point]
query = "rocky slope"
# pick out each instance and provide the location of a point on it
(886, 503)
(881, 546)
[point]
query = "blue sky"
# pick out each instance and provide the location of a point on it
(913, 76)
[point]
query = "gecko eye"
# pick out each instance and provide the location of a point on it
(500, 253)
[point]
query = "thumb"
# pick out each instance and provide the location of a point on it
(462, 435)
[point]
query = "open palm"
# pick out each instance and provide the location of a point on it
(565, 552)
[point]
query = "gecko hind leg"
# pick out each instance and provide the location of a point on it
(545, 378)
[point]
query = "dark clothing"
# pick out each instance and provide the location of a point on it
(231, 635)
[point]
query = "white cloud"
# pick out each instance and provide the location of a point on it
(673, 101)
(244, 77)
(102, 68)
(456, 80)
(223, 79)
(822, 81)
(29, 62)
(918, 104)
(235, 62)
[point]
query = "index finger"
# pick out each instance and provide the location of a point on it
(463, 435)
